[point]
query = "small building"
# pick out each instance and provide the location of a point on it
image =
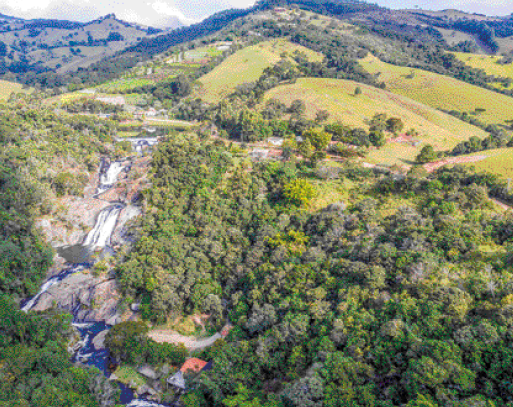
(275, 141)
(259, 154)
(194, 365)
(191, 367)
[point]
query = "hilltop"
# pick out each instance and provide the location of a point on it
(65, 46)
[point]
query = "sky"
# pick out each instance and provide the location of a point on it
(158, 12)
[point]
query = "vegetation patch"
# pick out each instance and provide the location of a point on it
(441, 92)
(128, 375)
(339, 99)
(247, 65)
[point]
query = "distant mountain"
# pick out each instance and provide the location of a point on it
(63, 45)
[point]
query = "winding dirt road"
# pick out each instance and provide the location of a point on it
(191, 343)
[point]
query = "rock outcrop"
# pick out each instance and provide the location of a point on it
(92, 298)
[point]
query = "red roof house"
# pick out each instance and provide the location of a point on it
(193, 364)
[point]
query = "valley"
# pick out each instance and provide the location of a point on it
(294, 204)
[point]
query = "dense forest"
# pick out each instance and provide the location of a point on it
(354, 305)
(341, 284)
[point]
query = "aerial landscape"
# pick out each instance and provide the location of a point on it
(272, 203)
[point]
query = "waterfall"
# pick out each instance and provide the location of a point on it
(143, 403)
(99, 236)
(109, 177)
(51, 282)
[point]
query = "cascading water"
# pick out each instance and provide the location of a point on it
(98, 238)
(75, 268)
(109, 177)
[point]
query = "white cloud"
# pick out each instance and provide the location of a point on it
(158, 12)
(162, 7)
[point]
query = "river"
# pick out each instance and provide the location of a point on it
(98, 239)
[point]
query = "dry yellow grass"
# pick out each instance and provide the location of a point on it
(499, 162)
(337, 97)
(442, 92)
(247, 65)
(6, 88)
(487, 63)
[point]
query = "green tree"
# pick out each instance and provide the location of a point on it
(318, 138)
(299, 192)
(427, 154)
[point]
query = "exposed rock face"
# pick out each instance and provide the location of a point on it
(120, 235)
(96, 299)
(69, 228)
(99, 340)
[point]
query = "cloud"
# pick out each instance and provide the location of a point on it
(489, 7)
(149, 12)
(161, 12)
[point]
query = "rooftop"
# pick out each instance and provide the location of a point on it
(193, 364)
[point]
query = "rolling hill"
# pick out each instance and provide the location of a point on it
(498, 161)
(337, 97)
(6, 88)
(247, 65)
(66, 45)
(489, 63)
(441, 92)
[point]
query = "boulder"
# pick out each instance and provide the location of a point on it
(148, 372)
(336, 207)
(96, 299)
(99, 340)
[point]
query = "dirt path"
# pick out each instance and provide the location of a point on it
(431, 167)
(501, 204)
(191, 343)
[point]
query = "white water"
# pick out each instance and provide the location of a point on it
(51, 282)
(143, 403)
(99, 237)
(83, 325)
(28, 306)
(109, 177)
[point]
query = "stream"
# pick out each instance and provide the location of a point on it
(98, 239)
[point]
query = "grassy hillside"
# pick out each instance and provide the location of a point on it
(499, 161)
(6, 88)
(246, 66)
(337, 96)
(442, 92)
(67, 49)
(487, 63)
(454, 37)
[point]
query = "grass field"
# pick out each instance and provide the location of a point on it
(123, 85)
(454, 37)
(442, 92)
(337, 97)
(499, 162)
(246, 65)
(6, 88)
(487, 63)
